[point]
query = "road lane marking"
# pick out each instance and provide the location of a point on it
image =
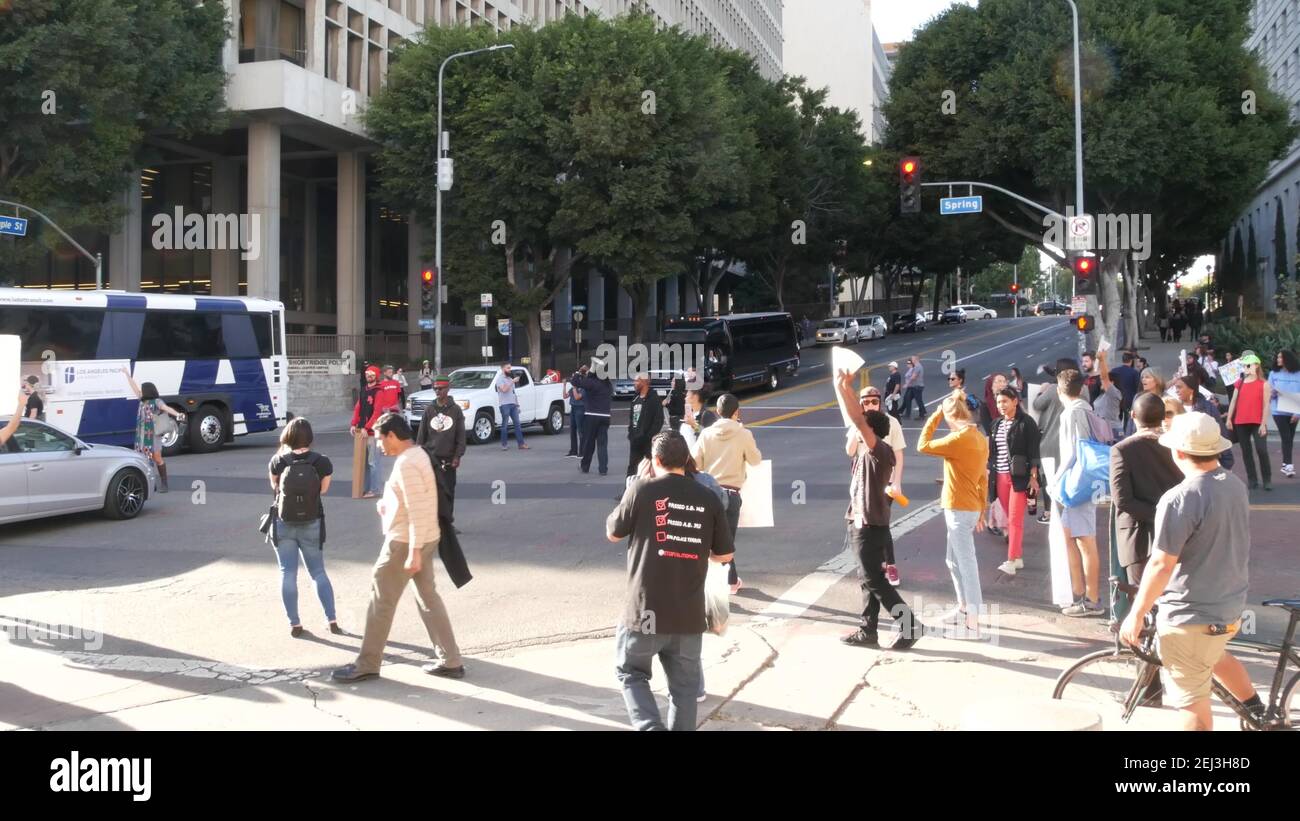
(806, 592)
(835, 403)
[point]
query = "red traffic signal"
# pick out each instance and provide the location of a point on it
(1083, 265)
(427, 276)
(909, 168)
(1015, 287)
(909, 185)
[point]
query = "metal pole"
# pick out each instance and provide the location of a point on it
(443, 149)
(97, 259)
(1015, 292)
(1078, 118)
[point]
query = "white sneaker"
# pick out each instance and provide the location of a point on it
(1288, 471)
(1008, 567)
(1019, 563)
(955, 616)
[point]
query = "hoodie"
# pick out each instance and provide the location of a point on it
(598, 393)
(724, 449)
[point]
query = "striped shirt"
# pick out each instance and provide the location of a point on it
(1000, 441)
(411, 501)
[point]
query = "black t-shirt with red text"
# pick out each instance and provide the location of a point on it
(674, 524)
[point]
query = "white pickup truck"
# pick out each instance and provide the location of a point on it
(540, 403)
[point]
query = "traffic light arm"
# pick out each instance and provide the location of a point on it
(1011, 194)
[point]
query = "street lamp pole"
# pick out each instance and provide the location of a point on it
(443, 149)
(97, 260)
(1078, 118)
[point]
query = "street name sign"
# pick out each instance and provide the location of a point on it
(961, 205)
(14, 226)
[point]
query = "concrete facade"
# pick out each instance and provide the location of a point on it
(833, 44)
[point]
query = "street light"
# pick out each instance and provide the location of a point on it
(443, 148)
(1078, 118)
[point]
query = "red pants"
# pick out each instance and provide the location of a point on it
(1013, 504)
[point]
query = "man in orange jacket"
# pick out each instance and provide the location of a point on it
(378, 397)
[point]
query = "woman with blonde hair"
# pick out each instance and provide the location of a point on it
(965, 453)
(1173, 407)
(1153, 382)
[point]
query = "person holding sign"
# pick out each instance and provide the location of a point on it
(1286, 380)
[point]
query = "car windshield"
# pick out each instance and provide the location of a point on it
(833, 323)
(473, 380)
(902, 316)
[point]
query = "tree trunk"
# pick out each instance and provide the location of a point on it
(711, 283)
(778, 281)
(1132, 284)
(638, 294)
(940, 282)
(1109, 317)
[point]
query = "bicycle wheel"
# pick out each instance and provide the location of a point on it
(1107, 678)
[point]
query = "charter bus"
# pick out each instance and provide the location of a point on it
(741, 350)
(219, 360)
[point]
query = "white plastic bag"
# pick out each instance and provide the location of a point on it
(717, 598)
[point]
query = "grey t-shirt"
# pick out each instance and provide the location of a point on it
(1106, 405)
(505, 397)
(1205, 522)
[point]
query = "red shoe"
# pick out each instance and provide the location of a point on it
(891, 573)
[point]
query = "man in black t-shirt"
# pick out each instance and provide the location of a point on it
(675, 526)
(35, 405)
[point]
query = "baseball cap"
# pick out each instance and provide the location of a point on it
(893, 364)
(1195, 433)
(1249, 358)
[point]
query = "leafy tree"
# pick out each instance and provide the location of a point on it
(1163, 136)
(82, 82)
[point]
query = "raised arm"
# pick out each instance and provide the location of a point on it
(17, 419)
(134, 387)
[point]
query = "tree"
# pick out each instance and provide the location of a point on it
(82, 82)
(1163, 137)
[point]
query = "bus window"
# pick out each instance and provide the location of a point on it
(266, 329)
(237, 331)
(71, 333)
(121, 336)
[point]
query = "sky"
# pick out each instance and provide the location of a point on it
(895, 20)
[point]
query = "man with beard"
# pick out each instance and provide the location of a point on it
(442, 434)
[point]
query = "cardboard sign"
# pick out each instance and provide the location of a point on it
(756, 496)
(1027, 404)
(11, 349)
(1231, 372)
(843, 359)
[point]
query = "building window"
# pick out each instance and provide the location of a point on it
(272, 30)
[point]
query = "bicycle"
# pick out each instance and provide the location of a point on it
(1129, 676)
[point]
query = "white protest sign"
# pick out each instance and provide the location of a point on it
(1288, 402)
(1027, 404)
(756, 496)
(11, 349)
(844, 359)
(1230, 372)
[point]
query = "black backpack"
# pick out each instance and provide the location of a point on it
(300, 490)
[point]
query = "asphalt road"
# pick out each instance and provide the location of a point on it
(191, 574)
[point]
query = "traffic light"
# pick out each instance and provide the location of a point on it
(1083, 323)
(428, 292)
(909, 185)
(1085, 274)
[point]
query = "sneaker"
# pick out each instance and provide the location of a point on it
(1076, 610)
(955, 616)
(1020, 563)
(1094, 608)
(572, 456)
(861, 638)
(906, 642)
(1288, 471)
(350, 673)
(735, 588)
(296, 631)
(1044, 518)
(1008, 567)
(700, 699)
(995, 531)
(891, 573)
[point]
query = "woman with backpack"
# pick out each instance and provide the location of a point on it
(300, 477)
(147, 440)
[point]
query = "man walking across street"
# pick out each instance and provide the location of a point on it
(724, 450)
(674, 526)
(505, 387)
(409, 520)
(868, 514)
(894, 391)
(913, 387)
(1198, 574)
(442, 434)
(647, 419)
(597, 393)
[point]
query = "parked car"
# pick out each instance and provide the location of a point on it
(978, 312)
(953, 316)
(46, 472)
(843, 331)
(624, 388)
(540, 403)
(872, 326)
(908, 321)
(1050, 308)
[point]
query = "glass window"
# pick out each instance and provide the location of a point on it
(71, 333)
(121, 336)
(237, 330)
(37, 438)
(520, 376)
(183, 335)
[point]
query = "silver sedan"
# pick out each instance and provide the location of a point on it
(46, 472)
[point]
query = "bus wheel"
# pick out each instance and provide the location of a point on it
(207, 429)
(173, 443)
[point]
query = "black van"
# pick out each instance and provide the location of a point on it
(741, 350)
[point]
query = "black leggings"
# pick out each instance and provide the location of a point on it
(1246, 433)
(1286, 429)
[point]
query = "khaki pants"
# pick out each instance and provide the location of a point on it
(1189, 653)
(387, 585)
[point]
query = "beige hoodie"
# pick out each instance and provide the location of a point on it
(723, 450)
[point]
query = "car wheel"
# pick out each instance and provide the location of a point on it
(481, 432)
(554, 419)
(207, 429)
(126, 494)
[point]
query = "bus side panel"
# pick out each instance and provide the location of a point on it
(250, 401)
(99, 421)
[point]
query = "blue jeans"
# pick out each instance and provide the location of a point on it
(679, 653)
(374, 474)
(302, 539)
(576, 413)
(509, 412)
(961, 559)
(913, 392)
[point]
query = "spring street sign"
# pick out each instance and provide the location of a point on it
(960, 205)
